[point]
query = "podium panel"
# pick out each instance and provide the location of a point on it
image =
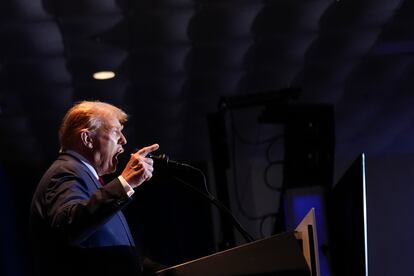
(278, 255)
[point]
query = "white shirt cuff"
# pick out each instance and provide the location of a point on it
(128, 189)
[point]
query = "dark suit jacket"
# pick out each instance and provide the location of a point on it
(76, 223)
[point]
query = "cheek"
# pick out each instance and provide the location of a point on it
(112, 150)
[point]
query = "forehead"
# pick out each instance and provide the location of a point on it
(112, 122)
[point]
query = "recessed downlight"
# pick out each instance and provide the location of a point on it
(103, 75)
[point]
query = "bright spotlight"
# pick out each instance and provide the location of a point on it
(103, 75)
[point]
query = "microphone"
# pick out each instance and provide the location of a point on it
(164, 161)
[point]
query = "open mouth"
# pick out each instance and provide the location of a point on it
(117, 154)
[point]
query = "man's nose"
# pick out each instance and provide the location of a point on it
(122, 140)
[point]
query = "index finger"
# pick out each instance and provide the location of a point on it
(145, 150)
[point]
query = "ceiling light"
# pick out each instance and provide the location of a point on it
(103, 75)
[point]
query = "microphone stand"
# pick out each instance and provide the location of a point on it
(217, 203)
(163, 161)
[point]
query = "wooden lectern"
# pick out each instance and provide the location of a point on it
(278, 255)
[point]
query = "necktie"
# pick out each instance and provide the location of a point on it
(101, 181)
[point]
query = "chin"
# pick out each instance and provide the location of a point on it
(108, 170)
(111, 169)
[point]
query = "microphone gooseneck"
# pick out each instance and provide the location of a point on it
(163, 160)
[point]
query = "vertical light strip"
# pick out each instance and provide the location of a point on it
(364, 192)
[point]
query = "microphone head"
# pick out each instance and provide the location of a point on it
(161, 160)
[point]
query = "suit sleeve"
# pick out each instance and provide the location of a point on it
(74, 213)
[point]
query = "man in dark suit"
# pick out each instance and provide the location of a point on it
(76, 221)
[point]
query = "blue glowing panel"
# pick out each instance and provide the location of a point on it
(298, 202)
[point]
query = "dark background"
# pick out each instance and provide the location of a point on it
(174, 61)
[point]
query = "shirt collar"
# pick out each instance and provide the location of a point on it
(85, 162)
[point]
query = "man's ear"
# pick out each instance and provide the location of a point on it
(86, 138)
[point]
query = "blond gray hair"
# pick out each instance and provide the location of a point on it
(89, 115)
